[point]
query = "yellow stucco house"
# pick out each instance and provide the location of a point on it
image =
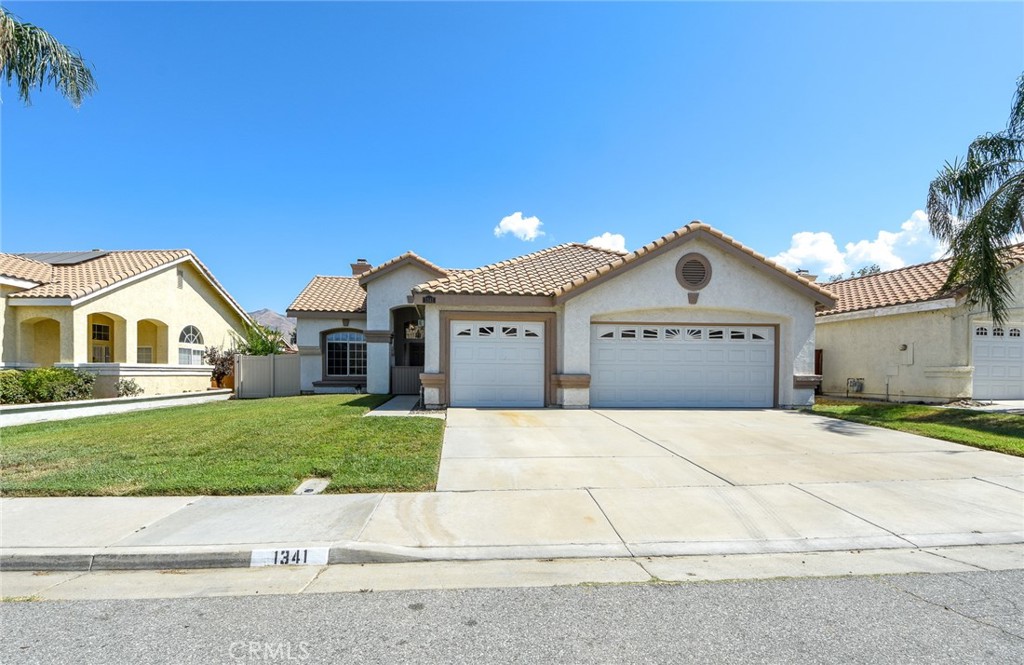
(142, 315)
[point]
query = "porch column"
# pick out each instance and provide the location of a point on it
(378, 362)
(131, 342)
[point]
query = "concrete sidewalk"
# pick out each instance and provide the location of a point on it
(205, 532)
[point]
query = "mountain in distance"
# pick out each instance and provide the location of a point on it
(271, 319)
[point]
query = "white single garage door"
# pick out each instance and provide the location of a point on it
(682, 365)
(497, 363)
(998, 359)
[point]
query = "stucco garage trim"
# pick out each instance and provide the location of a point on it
(547, 318)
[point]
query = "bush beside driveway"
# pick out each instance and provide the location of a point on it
(235, 447)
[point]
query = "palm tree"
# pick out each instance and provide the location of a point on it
(33, 57)
(976, 205)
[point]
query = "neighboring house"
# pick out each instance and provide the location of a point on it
(142, 315)
(693, 319)
(898, 335)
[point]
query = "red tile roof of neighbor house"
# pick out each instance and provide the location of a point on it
(96, 270)
(331, 294)
(902, 286)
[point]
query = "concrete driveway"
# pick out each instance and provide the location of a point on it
(682, 482)
(642, 449)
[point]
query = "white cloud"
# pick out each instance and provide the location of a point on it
(818, 251)
(613, 241)
(524, 228)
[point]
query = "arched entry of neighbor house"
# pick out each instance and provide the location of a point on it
(151, 342)
(40, 341)
(106, 338)
(407, 346)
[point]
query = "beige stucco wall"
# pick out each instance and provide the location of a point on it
(307, 335)
(155, 297)
(736, 293)
(935, 367)
(383, 295)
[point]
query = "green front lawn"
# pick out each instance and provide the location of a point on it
(1001, 432)
(235, 447)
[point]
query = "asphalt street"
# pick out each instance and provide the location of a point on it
(969, 617)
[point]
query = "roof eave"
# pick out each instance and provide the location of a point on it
(398, 262)
(482, 299)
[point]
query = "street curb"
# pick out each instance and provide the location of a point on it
(38, 559)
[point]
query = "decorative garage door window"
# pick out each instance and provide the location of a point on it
(997, 355)
(497, 363)
(681, 335)
(682, 365)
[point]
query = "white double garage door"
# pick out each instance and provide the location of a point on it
(501, 364)
(998, 359)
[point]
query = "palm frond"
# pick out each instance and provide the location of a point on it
(976, 205)
(32, 58)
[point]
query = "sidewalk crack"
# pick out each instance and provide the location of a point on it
(607, 519)
(852, 514)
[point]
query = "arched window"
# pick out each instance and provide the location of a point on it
(191, 350)
(345, 353)
(190, 335)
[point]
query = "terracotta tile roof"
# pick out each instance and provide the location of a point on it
(331, 294)
(80, 279)
(693, 227)
(19, 267)
(408, 256)
(902, 286)
(536, 274)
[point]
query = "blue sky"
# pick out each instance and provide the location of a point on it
(279, 141)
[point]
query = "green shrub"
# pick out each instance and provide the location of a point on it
(11, 390)
(56, 384)
(128, 388)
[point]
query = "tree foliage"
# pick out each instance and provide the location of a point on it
(32, 58)
(975, 206)
(259, 340)
(863, 271)
(223, 362)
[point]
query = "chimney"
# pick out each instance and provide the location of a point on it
(806, 274)
(359, 267)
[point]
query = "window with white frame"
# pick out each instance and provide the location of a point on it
(100, 334)
(190, 349)
(144, 354)
(345, 353)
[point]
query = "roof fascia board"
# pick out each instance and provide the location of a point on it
(729, 248)
(39, 302)
(892, 310)
(468, 299)
(404, 261)
(303, 314)
(19, 283)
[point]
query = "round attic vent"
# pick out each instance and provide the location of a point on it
(693, 272)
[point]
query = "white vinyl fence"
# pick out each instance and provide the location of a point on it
(267, 376)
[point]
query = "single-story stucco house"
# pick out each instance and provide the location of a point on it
(142, 315)
(899, 335)
(693, 319)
